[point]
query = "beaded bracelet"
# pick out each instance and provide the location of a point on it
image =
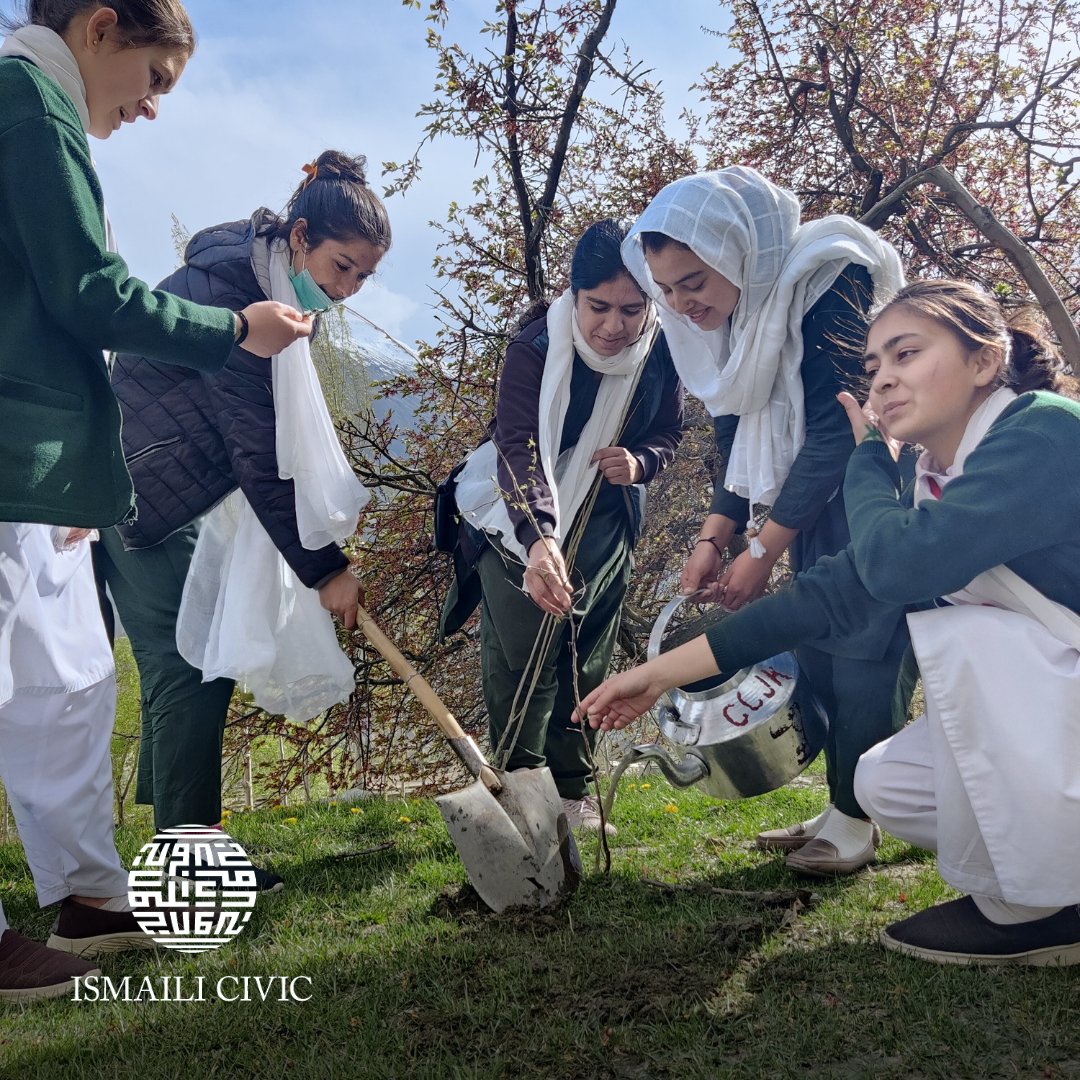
(245, 326)
(710, 540)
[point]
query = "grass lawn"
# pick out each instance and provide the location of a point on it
(632, 980)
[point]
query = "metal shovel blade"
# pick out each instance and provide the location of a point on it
(516, 845)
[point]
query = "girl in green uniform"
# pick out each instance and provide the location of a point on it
(982, 549)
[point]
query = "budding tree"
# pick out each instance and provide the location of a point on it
(951, 127)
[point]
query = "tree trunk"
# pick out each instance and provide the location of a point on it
(1014, 249)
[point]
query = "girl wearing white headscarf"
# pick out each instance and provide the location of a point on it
(764, 316)
(587, 390)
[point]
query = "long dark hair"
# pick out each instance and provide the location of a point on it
(337, 204)
(1032, 360)
(139, 22)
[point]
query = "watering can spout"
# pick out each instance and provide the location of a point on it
(682, 773)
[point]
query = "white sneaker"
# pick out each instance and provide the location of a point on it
(585, 814)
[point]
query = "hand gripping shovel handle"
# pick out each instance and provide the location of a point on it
(460, 743)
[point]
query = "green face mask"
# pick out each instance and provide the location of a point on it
(308, 294)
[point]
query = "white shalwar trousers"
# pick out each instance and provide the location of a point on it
(56, 766)
(987, 778)
(895, 782)
(57, 706)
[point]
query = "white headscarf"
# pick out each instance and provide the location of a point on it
(49, 52)
(479, 497)
(748, 230)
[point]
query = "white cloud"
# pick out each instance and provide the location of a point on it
(273, 83)
(390, 310)
(250, 111)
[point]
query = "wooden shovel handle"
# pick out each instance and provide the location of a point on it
(461, 743)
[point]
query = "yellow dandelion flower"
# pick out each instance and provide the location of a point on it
(354, 809)
(645, 787)
(405, 820)
(291, 820)
(671, 808)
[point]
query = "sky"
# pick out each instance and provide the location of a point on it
(273, 82)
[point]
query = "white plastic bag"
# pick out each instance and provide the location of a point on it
(245, 615)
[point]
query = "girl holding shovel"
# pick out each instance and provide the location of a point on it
(199, 442)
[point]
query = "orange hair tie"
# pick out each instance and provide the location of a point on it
(312, 171)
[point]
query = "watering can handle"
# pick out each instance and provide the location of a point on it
(656, 636)
(656, 639)
(460, 743)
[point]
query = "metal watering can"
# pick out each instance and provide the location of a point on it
(750, 734)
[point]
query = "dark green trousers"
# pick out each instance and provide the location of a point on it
(866, 702)
(183, 718)
(510, 624)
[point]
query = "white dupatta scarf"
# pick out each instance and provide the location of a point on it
(479, 496)
(245, 615)
(748, 230)
(48, 51)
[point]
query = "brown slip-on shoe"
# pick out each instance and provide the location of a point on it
(29, 971)
(88, 931)
(789, 838)
(796, 836)
(820, 859)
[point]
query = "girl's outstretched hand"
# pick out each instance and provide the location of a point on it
(624, 697)
(866, 424)
(620, 700)
(273, 326)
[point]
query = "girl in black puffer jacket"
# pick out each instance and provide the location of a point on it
(190, 439)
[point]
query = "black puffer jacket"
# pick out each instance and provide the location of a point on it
(190, 438)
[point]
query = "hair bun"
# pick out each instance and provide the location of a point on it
(1035, 362)
(344, 208)
(334, 164)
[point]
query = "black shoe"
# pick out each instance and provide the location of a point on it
(958, 933)
(29, 971)
(265, 881)
(87, 931)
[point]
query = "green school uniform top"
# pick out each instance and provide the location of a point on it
(64, 298)
(1017, 503)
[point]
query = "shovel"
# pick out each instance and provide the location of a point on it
(509, 827)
